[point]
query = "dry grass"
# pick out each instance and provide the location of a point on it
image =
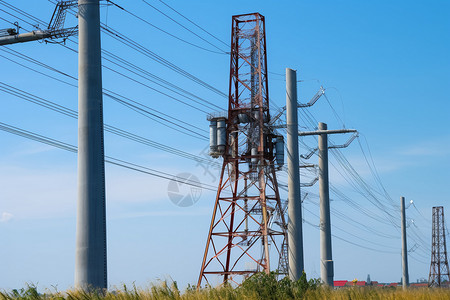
(260, 286)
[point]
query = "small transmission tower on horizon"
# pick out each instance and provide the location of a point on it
(248, 229)
(439, 271)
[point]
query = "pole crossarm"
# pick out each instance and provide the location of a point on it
(350, 140)
(55, 28)
(25, 37)
(38, 35)
(310, 184)
(319, 132)
(307, 166)
(277, 116)
(314, 99)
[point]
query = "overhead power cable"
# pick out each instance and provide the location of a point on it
(109, 56)
(145, 74)
(178, 23)
(150, 54)
(345, 217)
(156, 90)
(141, 109)
(348, 241)
(351, 234)
(22, 12)
(16, 17)
(112, 129)
(153, 114)
(145, 51)
(108, 159)
(165, 31)
(193, 23)
(354, 179)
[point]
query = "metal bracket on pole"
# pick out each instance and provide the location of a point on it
(308, 166)
(55, 28)
(319, 132)
(350, 140)
(314, 98)
(309, 184)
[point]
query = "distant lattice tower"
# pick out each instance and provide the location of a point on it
(439, 271)
(248, 225)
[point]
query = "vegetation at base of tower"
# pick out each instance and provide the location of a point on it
(258, 286)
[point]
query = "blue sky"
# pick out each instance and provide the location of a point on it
(384, 65)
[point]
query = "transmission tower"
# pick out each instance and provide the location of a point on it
(439, 271)
(248, 225)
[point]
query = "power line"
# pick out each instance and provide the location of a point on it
(145, 74)
(166, 85)
(350, 234)
(146, 113)
(143, 50)
(22, 12)
(156, 90)
(152, 55)
(12, 15)
(143, 109)
(165, 31)
(178, 23)
(354, 179)
(73, 114)
(192, 22)
(125, 164)
(345, 217)
(350, 242)
(147, 52)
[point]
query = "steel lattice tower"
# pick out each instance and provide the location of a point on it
(439, 271)
(248, 225)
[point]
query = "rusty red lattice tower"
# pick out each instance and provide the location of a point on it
(248, 225)
(439, 272)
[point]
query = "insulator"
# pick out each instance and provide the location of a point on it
(243, 118)
(232, 171)
(213, 138)
(255, 157)
(233, 148)
(279, 151)
(221, 136)
(256, 115)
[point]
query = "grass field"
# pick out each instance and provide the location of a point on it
(259, 286)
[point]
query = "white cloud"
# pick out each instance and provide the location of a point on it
(43, 193)
(430, 148)
(6, 217)
(202, 211)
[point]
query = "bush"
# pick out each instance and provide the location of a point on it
(266, 286)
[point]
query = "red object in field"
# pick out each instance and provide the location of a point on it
(340, 283)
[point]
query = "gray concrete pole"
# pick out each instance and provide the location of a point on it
(405, 277)
(90, 260)
(295, 233)
(326, 259)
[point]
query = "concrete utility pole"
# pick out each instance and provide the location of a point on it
(326, 266)
(295, 233)
(90, 260)
(326, 258)
(405, 278)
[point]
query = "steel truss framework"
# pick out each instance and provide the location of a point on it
(248, 224)
(439, 271)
